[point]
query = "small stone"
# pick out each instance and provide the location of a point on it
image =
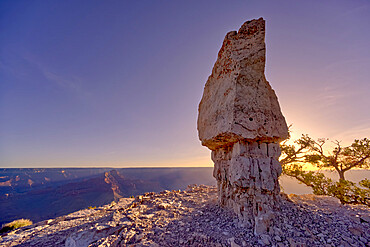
(164, 205)
(355, 231)
(344, 244)
(347, 239)
(292, 243)
(47, 222)
(365, 218)
(265, 239)
(320, 235)
(232, 242)
(277, 238)
(364, 240)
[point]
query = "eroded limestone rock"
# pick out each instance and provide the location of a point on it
(241, 122)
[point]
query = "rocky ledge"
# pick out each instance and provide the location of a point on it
(193, 218)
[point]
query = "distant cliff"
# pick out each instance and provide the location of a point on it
(40, 194)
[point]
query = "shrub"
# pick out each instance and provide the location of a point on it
(15, 224)
(341, 159)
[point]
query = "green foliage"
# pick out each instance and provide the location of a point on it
(15, 224)
(316, 180)
(346, 191)
(341, 159)
(365, 183)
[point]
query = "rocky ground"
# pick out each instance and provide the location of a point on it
(192, 218)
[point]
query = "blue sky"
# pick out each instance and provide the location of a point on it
(118, 83)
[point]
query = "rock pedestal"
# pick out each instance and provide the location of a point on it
(241, 122)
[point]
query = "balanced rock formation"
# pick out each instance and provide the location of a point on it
(241, 122)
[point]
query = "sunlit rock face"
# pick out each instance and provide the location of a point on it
(241, 122)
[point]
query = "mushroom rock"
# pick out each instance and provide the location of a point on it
(241, 122)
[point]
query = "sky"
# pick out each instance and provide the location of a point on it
(118, 83)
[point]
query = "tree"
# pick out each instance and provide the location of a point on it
(341, 159)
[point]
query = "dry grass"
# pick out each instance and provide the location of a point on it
(15, 224)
